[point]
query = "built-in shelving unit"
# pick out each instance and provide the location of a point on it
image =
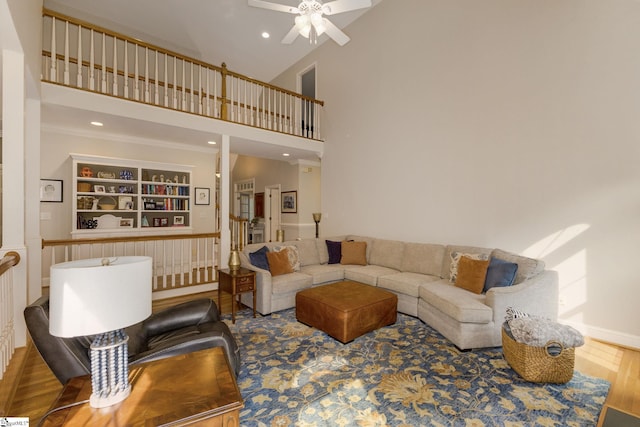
(114, 195)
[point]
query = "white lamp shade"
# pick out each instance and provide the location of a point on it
(87, 297)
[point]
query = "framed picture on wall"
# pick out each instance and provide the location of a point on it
(202, 196)
(51, 190)
(289, 202)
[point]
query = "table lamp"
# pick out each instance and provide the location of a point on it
(316, 219)
(101, 296)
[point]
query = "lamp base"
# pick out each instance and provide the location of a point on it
(109, 369)
(97, 401)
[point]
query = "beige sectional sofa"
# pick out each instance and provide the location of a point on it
(419, 274)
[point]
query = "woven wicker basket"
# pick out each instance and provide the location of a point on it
(538, 364)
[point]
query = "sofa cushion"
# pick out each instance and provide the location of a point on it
(405, 283)
(259, 258)
(500, 273)
(354, 253)
(279, 262)
(471, 274)
(287, 283)
(324, 273)
(387, 253)
(307, 252)
(448, 258)
(334, 249)
(459, 304)
(367, 274)
(292, 253)
(423, 258)
(527, 267)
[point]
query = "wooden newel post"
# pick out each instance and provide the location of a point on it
(223, 95)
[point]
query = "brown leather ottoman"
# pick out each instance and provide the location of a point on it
(346, 310)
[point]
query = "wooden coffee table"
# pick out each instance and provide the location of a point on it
(191, 389)
(345, 310)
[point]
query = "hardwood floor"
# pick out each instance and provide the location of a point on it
(37, 387)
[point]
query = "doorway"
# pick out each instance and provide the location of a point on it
(306, 83)
(272, 212)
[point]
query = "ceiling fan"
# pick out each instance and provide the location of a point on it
(310, 22)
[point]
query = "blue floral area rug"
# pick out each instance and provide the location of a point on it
(405, 374)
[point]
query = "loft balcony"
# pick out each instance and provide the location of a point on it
(80, 60)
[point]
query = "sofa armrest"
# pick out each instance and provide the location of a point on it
(537, 295)
(263, 285)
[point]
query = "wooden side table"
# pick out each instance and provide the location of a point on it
(236, 282)
(192, 389)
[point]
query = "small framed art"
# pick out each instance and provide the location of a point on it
(289, 202)
(202, 196)
(51, 190)
(178, 220)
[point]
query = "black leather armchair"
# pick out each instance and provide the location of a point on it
(183, 328)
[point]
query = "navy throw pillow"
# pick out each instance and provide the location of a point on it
(259, 258)
(500, 273)
(335, 251)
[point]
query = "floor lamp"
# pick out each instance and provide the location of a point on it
(316, 218)
(101, 296)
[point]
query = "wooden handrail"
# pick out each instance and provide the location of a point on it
(65, 242)
(10, 259)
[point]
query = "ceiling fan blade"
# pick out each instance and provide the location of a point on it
(273, 6)
(339, 6)
(291, 35)
(335, 33)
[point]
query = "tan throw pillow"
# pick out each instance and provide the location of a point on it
(455, 258)
(279, 262)
(354, 253)
(471, 274)
(294, 257)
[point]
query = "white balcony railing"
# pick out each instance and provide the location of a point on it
(179, 261)
(84, 56)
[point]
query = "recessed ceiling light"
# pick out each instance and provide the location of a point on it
(286, 154)
(97, 124)
(265, 35)
(211, 142)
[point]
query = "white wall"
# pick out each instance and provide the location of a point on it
(57, 164)
(496, 123)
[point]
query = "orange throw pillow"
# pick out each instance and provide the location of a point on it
(354, 253)
(279, 262)
(471, 274)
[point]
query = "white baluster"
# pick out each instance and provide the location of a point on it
(207, 93)
(215, 94)
(146, 74)
(79, 77)
(115, 66)
(157, 94)
(126, 70)
(103, 87)
(184, 93)
(232, 97)
(136, 75)
(200, 97)
(52, 70)
(66, 53)
(192, 103)
(175, 93)
(166, 80)
(92, 62)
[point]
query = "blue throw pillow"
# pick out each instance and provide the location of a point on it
(500, 273)
(259, 258)
(335, 251)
